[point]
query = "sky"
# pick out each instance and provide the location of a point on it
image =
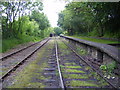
(52, 8)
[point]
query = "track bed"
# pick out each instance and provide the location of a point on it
(55, 65)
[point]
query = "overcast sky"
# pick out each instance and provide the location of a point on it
(52, 8)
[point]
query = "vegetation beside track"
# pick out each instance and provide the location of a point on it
(96, 40)
(10, 43)
(19, 26)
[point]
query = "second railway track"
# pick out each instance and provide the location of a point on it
(17, 60)
(17, 51)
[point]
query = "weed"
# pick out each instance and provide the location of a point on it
(87, 68)
(109, 67)
(103, 67)
(81, 51)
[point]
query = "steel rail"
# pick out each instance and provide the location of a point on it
(58, 64)
(22, 61)
(90, 65)
(2, 58)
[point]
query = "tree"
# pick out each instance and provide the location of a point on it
(41, 19)
(13, 11)
(90, 18)
(58, 30)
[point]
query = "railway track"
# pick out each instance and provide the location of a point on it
(62, 65)
(62, 75)
(23, 59)
(13, 53)
(59, 69)
(89, 64)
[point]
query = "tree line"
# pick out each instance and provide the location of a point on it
(99, 19)
(22, 18)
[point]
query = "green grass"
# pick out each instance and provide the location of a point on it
(87, 68)
(8, 44)
(73, 67)
(0, 45)
(69, 63)
(96, 40)
(75, 76)
(76, 83)
(62, 45)
(24, 78)
(75, 71)
(63, 48)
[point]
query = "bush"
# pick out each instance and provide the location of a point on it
(109, 67)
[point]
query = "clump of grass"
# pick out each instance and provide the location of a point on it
(109, 67)
(75, 76)
(76, 83)
(62, 66)
(73, 67)
(75, 71)
(87, 68)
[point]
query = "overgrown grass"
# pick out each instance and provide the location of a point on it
(75, 71)
(75, 76)
(96, 40)
(69, 63)
(76, 83)
(13, 42)
(25, 78)
(81, 51)
(63, 48)
(73, 67)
